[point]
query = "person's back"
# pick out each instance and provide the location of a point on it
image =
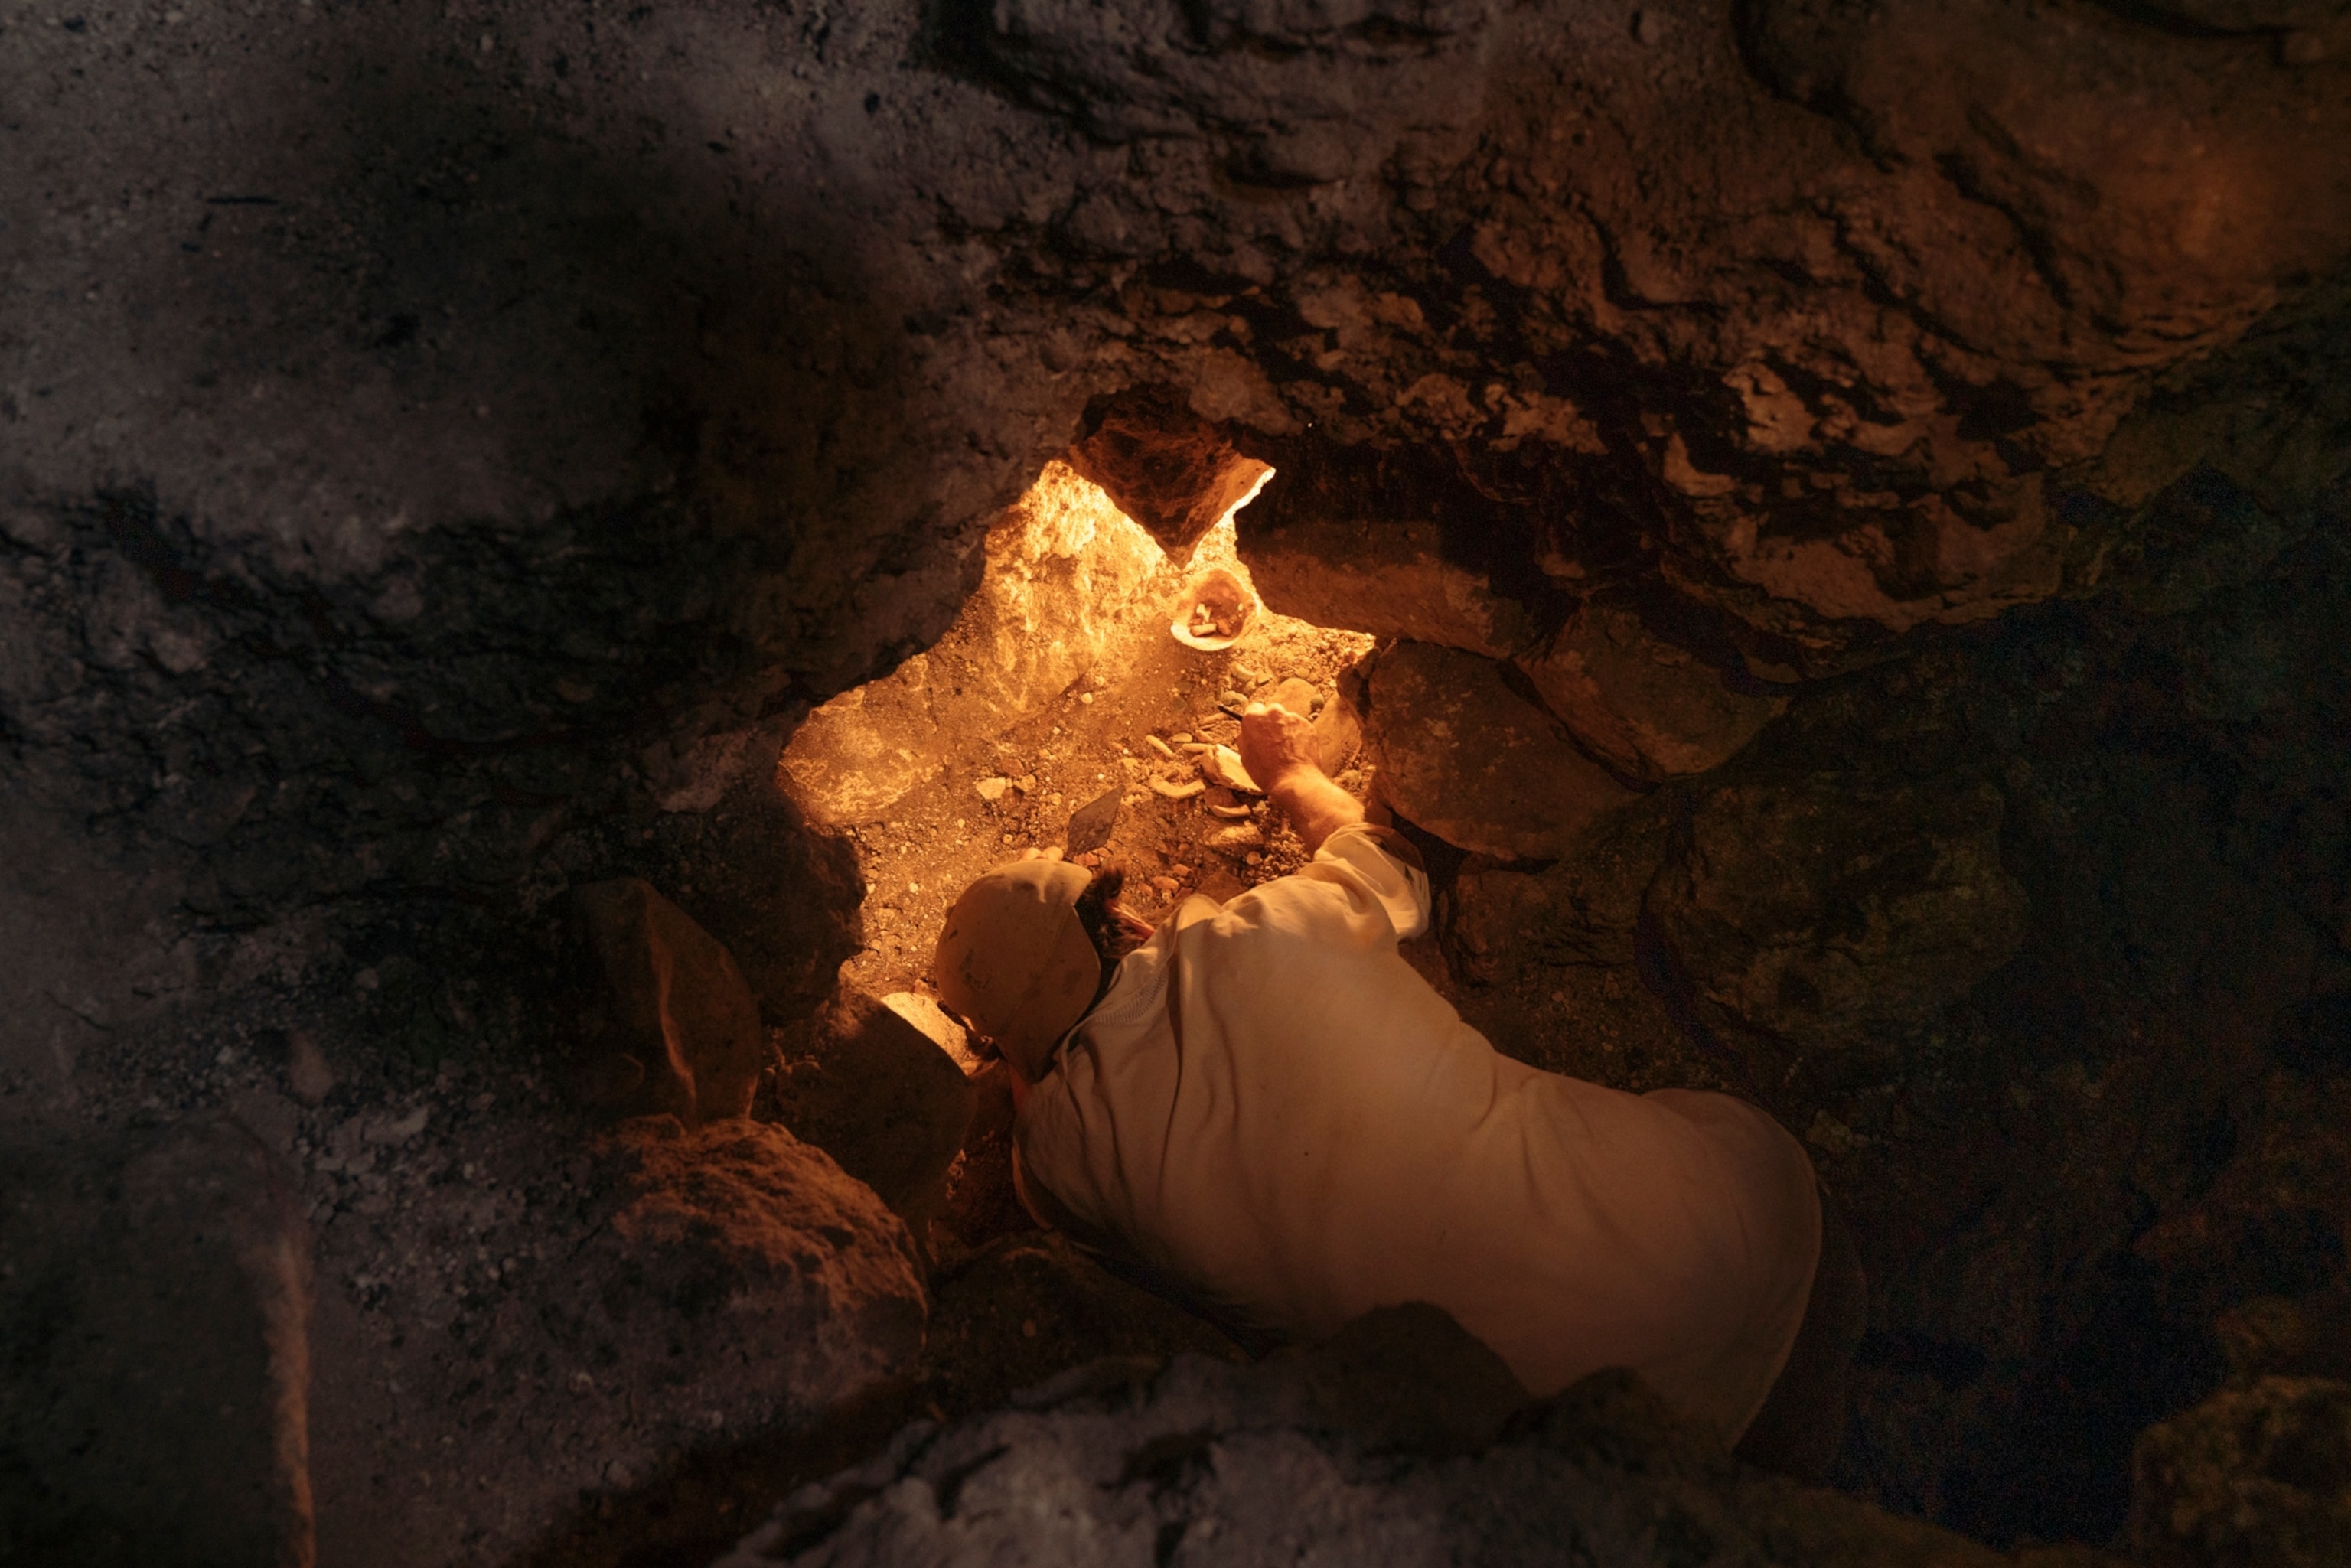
(1273, 1113)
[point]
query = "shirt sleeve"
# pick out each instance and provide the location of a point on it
(1385, 863)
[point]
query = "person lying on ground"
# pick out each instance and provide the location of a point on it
(1263, 1110)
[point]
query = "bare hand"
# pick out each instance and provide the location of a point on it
(1275, 743)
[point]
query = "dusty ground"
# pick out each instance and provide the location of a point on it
(1095, 740)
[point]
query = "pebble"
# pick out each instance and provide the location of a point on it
(1181, 737)
(1236, 841)
(992, 788)
(1231, 700)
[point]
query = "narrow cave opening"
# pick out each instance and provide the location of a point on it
(1087, 698)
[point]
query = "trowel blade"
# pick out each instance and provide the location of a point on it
(1090, 823)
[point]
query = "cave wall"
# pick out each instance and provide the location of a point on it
(448, 448)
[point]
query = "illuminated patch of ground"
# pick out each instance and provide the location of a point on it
(1047, 694)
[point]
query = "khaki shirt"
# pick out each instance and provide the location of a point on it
(1271, 1111)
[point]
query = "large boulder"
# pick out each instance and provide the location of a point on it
(881, 1097)
(671, 1027)
(2252, 1477)
(1652, 709)
(154, 1302)
(1380, 544)
(1465, 756)
(1827, 914)
(738, 1277)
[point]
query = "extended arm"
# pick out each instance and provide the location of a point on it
(1275, 752)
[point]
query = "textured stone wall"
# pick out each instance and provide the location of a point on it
(445, 449)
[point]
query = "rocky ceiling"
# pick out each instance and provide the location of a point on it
(444, 448)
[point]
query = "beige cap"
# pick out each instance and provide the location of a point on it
(1014, 961)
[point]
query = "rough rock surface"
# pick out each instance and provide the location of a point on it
(1066, 575)
(1395, 1442)
(1830, 918)
(1466, 757)
(1648, 708)
(2255, 1475)
(155, 1399)
(673, 1029)
(1176, 473)
(741, 1278)
(880, 1096)
(1379, 547)
(446, 446)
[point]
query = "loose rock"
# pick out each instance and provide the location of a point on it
(672, 1027)
(1236, 841)
(880, 1096)
(992, 790)
(1466, 759)
(742, 1278)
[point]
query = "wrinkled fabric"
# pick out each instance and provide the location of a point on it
(1270, 1111)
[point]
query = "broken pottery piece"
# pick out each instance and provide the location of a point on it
(881, 1097)
(1649, 709)
(669, 1024)
(1223, 766)
(1298, 696)
(1177, 790)
(1464, 756)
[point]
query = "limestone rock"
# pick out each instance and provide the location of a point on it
(154, 1397)
(1375, 546)
(741, 1278)
(1827, 913)
(1064, 572)
(1173, 472)
(1391, 1444)
(2257, 1476)
(1648, 708)
(1466, 757)
(1337, 735)
(672, 1027)
(884, 1099)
